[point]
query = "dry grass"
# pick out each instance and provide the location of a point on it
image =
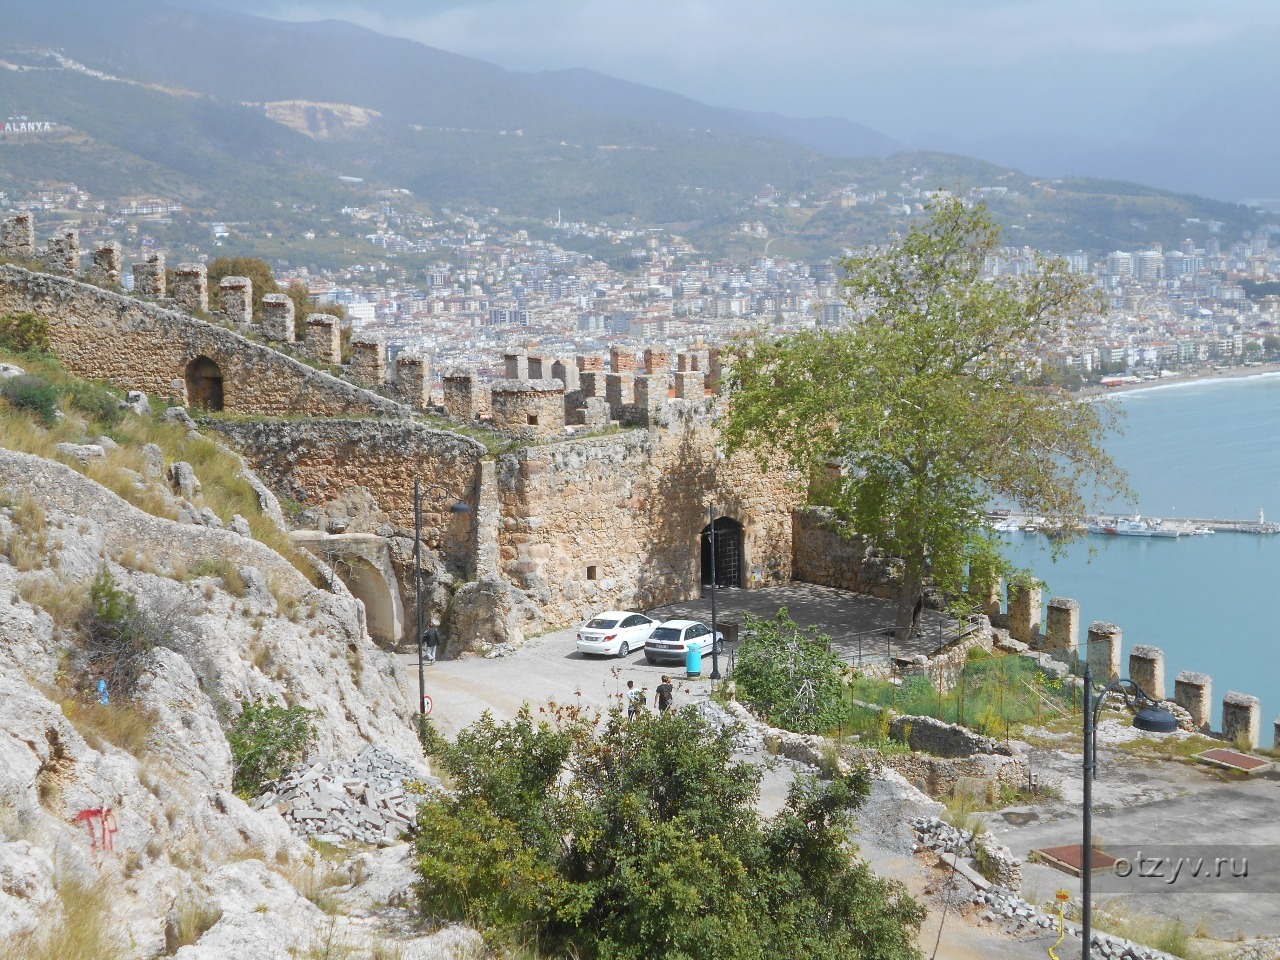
(316, 881)
(64, 600)
(86, 930)
(124, 726)
(1172, 935)
(28, 545)
(193, 919)
(224, 570)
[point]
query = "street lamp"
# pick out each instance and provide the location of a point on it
(1152, 718)
(715, 636)
(458, 508)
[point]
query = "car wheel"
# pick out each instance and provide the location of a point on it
(650, 660)
(624, 649)
(718, 648)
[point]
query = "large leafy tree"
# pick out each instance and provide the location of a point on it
(628, 839)
(930, 403)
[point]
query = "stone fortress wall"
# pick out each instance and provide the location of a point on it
(573, 522)
(103, 335)
(1057, 637)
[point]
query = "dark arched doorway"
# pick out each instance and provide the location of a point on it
(728, 552)
(204, 384)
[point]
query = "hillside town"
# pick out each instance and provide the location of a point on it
(465, 288)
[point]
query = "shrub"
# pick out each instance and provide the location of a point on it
(98, 403)
(625, 839)
(791, 676)
(266, 739)
(118, 635)
(25, 333)
(34, 394)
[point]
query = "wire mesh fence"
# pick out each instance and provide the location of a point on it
(988, 692)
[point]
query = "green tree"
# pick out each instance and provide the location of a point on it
(790, 675)
(603, 838)
(265, 740)
(304, 303)
(928, 403)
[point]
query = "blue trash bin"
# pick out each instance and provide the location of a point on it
(693, 661)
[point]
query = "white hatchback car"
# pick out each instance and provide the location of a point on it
(614, 633)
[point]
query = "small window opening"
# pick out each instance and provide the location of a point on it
(533, 419)
(591, 573)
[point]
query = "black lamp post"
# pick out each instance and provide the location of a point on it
(1152, 718)
(715, 634)
(458, 508)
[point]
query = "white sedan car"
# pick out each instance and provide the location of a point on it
(615, 633)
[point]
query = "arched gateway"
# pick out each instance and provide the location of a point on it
(204, 384)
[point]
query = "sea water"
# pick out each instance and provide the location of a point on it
(1206, 449)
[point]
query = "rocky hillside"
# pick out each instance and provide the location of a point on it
(125, 830)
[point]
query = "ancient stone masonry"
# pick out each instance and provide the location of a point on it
(1146, 669)
(1194, 693)
(517, 365)
(103, 335)
(690, 385)
(324, 338)
(657, 362)
(823, 555)
(18, 237)
(278, 318)
(236, 294)
(1025, 602)
(1104, 650)
(618, 519)
(1241, 719)
(368, 367)
(149, 278)
(1062, 629)
(529, 410)
(413, 382)
(461, 398)
(106, 264)
(62, 254)
(191, 287)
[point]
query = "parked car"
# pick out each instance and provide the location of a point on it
(669, 642)
(614, 633)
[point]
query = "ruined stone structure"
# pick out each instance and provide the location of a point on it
(103, 335)
(368, 367)
(106, 262)
(149, 278)
(62, 255)
(18, 237)
(236, 294)
(413, 382)
(529, 410)
(191, 287)
(278, 318)
(324, 338)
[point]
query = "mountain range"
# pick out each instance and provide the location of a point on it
(237, 116)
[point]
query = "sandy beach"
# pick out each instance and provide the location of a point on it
(1215, 373)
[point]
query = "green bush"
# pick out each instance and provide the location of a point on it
(613, 839)
(24, 333)
(27, 392)
(790, 676)
(118, 635)
(266, 739)
(98, 403)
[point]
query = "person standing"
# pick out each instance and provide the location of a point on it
(664, 693)
(633, 700)
(431, 639)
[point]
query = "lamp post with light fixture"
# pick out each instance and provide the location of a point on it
(459, 508)
(1151, 719)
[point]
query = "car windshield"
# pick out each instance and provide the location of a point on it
(601, 624)
(665, 633)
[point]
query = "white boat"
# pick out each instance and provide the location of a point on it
(1202, 532)
(1135, 526)
(1007, 525)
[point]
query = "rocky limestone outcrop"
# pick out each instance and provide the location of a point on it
(487, 615)
(136, 799)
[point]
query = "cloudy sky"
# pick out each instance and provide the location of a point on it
(972, 75)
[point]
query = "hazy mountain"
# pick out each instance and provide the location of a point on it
(239, 116)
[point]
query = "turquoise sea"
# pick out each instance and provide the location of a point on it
(1212, 603)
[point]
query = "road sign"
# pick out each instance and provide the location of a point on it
(426, 704)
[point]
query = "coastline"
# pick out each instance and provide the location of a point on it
(1200, 376)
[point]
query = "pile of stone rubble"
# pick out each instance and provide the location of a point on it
(362, 799)
(1004, 907)
(1002, 868)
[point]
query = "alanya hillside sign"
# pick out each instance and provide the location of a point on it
(23, 125)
